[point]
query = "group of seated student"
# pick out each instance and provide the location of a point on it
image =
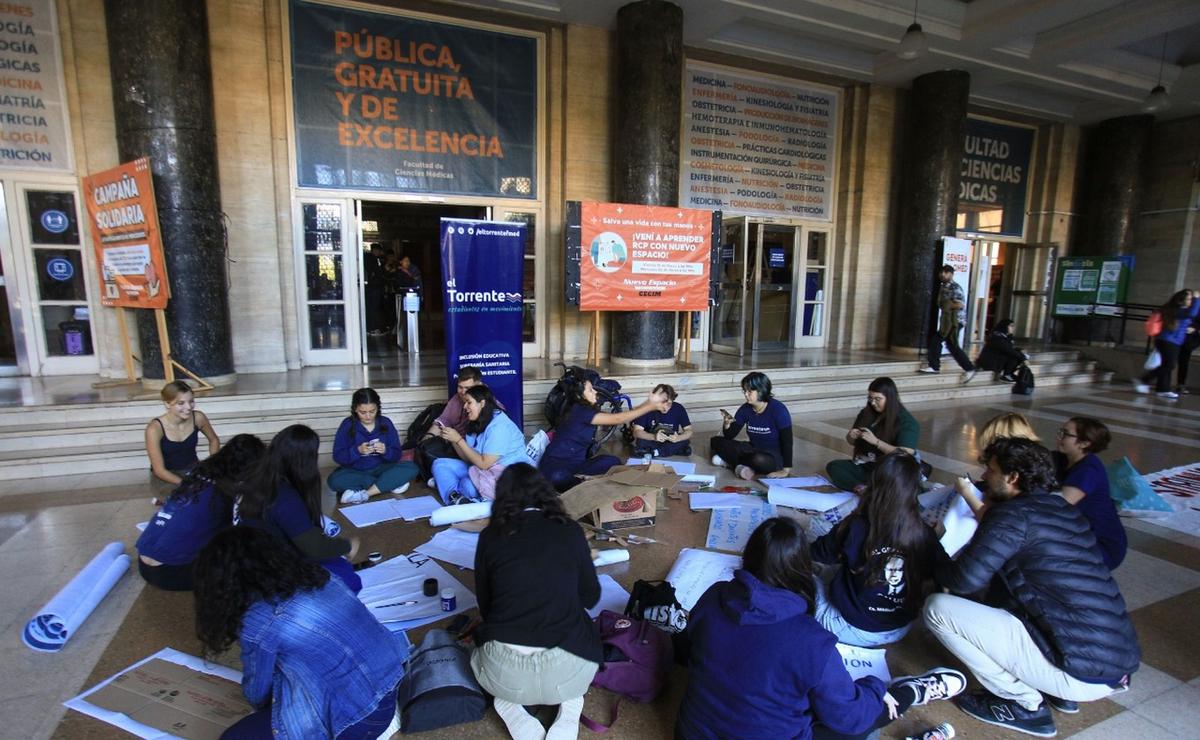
(1029, 605)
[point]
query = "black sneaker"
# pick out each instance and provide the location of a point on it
(1006, 378)
(1004, 713)
(939, 683)
(457, 498)
(1066, 706)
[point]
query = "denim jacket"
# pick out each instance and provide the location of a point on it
(321, 659)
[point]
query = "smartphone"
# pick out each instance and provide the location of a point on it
(439, 423)
(725, 414)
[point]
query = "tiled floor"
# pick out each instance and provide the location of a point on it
(40, 549)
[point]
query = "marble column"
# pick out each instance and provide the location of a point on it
(646, 150)
(932, 160)
(1117, 151)
(163, 101)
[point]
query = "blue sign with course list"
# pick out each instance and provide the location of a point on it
(483, 268)
(395, 103)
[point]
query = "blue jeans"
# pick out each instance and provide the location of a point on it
(257, 725)
(450, 474)
(831, 619)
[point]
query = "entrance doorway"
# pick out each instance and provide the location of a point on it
(773, 285)
(401, 255)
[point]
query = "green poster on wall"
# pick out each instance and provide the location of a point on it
(1083, 281)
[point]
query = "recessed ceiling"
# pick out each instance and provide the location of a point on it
(1073, 60)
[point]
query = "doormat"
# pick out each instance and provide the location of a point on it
(1179, 487)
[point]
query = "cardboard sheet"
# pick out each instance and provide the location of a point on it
(169, 694)
(680, 467)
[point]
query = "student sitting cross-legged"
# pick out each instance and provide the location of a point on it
(1052, 628)
(315, 662)
(491, 443)
(761, 666)
(367, 451)
(663, 432)
(882, 426)
(880, 559)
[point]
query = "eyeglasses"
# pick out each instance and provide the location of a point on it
(1063, 434)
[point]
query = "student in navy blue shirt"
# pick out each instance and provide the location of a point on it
(1179, 316)
(768, 427)
(663, 433)
(200, 507)
(1085, 483)
(283, 496)
(566, 457)
(367, 451)
(760, 665)
(880, 560)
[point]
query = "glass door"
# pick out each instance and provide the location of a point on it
(728, 322)
(814, 272)
(774, 285)
(12, 341)
(59, 284)
(531, 288)
(329, 330)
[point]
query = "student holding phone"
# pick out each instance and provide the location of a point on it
(768, 427)
(881, 427)
(367, 451)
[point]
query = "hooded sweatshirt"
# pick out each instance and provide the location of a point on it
(761, 667)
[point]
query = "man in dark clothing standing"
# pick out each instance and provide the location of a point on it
(1052, 620)
(953, 305)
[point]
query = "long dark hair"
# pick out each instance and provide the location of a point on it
(482, 395)
(291, 458)
(1170, 310)
(894, 525)
(363, 396)
(238, 567)
(777, 555)
(522, 487)
(885, 425)
(232, 463)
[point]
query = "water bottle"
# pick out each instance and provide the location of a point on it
(944, 731)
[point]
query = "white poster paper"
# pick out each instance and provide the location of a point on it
(862, 661)
(394, 592)
(757, 144)
(386, 510)
(452, 546)
(613, 597)
(700, 500)
(729, 529)
(695, 570)
(799, 498)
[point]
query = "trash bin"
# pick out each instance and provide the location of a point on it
(75, 337)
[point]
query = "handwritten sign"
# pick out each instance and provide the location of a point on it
(730, 529)
(862, 662)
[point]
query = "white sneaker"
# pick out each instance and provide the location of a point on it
(1141, 387)
(352, 496)
(968, 375)
(431, 484)
(716, 460)
(1169, 395)
(402, 488)
(930, 371)
(745, 472)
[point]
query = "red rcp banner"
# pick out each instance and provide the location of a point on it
(644, 258)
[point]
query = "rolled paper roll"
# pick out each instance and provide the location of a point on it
(610, 557)
(58, 620)
(331, 528)
(460, 513)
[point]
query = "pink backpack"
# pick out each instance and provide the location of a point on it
(637, 657)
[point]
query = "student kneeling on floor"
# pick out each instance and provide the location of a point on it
(1053, 624)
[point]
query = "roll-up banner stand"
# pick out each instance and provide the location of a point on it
(957, 253)
(483, 264)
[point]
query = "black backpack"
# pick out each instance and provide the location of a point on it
(1024, 384)
(417, 429)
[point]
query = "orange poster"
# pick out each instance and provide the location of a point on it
(124, 221)
(644, 258)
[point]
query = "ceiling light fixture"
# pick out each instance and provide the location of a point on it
(1158, 100)
(914, 43)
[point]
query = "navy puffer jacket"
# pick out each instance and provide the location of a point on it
(1038, 559)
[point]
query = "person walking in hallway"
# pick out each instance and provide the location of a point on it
(952, 303)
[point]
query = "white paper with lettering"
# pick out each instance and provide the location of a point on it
(695, 570)
(730, 529)
(394, 592)
(860, 661)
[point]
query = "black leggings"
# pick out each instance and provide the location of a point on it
(735, 453)
(905, 700)
(167, 577)
(1161, 376)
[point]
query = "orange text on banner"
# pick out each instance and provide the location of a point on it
(124, 221)
(644, 258)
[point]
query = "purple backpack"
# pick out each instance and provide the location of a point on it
(637, 656)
